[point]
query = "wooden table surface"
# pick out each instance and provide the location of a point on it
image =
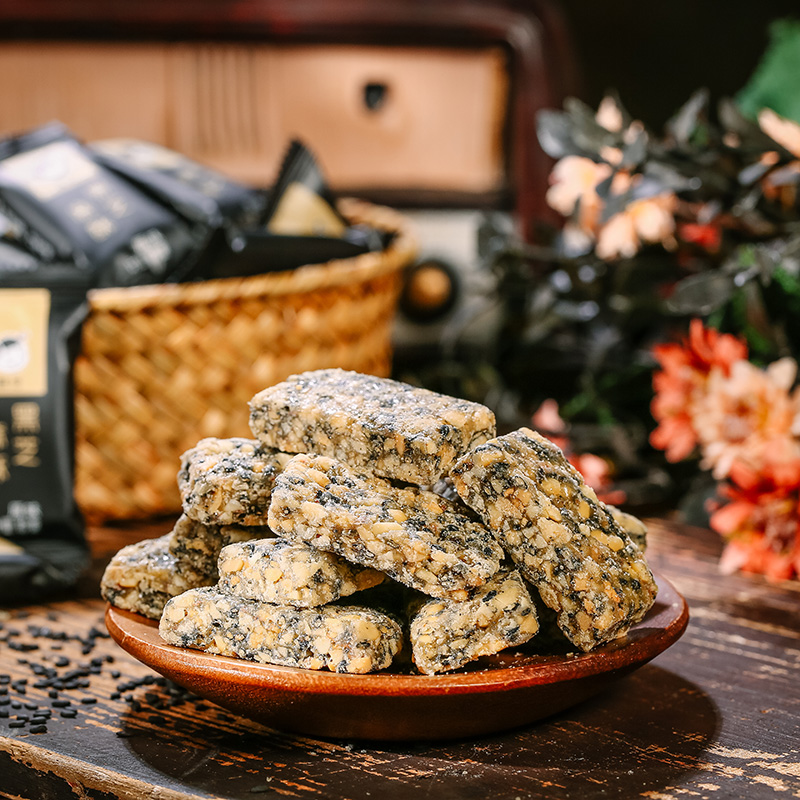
(715, 716)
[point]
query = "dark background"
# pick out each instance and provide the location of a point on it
(657, 53)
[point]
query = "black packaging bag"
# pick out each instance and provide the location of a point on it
(65, 206)
(195, 191)
(42, 543)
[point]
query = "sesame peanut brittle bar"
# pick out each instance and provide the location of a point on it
(290, 573)
(196, 545)
(414, 536)
(563, 539)
(633, 526)
(340, 638)
(447, 634)
(228, 481)
(376, 425)
(143, 576)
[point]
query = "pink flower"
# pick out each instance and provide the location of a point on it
(784, 131)
(573, 179)
(746, 413)
(781, 184)
(595, 470)
(681, 384)
(608, 115)
(617, 238)
(648, 220)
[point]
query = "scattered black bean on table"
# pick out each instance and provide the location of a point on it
(61, 676)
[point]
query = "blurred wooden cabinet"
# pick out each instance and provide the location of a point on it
(420, 103)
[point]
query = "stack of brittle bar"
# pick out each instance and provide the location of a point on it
(322, 544)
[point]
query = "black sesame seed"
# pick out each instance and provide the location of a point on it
(38, 729)
(17, 723)
(61, 703)
(87, 701)
(70, 713)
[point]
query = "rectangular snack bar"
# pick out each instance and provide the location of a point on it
(290, 573)
(446, 634)
(340, 638)
(228, 481)
(143, 576)
(633, 526)
(196, 546)
(414, 536)
(548, 451)
(376, 425)
(562, 538)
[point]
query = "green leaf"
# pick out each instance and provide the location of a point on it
(774, 82)
(683, 125)
(554, 132)
(587, 133)
(700, 295)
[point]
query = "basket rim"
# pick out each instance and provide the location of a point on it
(312, 277)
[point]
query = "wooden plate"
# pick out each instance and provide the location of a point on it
(496, 693)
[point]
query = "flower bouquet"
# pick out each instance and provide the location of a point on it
(702, 223)
(671, 284)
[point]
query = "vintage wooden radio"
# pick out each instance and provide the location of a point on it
(426, 106)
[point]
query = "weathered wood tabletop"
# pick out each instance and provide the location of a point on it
(716, 716)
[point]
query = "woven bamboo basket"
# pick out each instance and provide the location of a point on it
(164, 366)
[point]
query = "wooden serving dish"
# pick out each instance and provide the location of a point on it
(499, 692)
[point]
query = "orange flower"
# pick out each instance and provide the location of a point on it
(707, 236)
(681, 384)
(761, 521)
(745, 414)
(753, 554)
